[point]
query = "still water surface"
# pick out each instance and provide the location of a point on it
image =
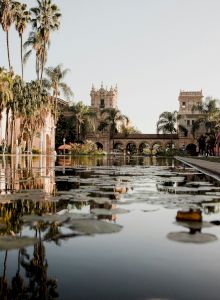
(96, 228)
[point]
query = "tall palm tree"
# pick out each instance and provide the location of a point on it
(83, 118)
(32, 108)
(167, 123)
(35, 41)
(6, 20)
(209, 116)
(46, 19)
(22, 18)
(112, 119)
(54, 82)
(13, 106)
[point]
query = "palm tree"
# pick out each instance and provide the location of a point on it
(6, 20)
(127, 129)
(112, 119)
(22, 18)
(209, 115)
(54, 81)
(83, 118)
(6, 94)
(6, 97)
(46, 19)
(13, 106)
(167, 123)
(35, 41)
(32, 109)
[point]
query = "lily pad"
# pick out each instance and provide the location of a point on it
(91, 227)
(30, 219)
(196, 238)
(108, 212)
(16, 242)
(101, 201)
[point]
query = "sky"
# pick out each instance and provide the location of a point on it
(151, 49)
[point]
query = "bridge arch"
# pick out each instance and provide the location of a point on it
(157, 144)
(131, 147)
(144, 145)
(119, 145)
(99, 146)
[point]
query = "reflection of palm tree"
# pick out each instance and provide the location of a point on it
(40, 286)
(3, 281)
(18, 289)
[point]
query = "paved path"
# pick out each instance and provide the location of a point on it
(207, 167)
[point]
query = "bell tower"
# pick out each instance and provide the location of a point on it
(188, 115)
(104, 98)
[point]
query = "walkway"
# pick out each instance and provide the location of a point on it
(210, 168)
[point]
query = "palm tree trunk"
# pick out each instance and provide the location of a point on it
(7, 39)
(5, 264)
(6, 129)
(12, 133)
(37, 68)
(55, 109)
(22, 65)
(78, 131)
(43, 62)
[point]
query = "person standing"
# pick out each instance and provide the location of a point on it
(207, 144)
(212, 144)
(217, 141)
(201, 143)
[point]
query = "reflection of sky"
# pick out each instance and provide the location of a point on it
(138, 263)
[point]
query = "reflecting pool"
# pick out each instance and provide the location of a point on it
(107, 228)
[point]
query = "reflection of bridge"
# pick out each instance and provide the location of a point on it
(137, 141)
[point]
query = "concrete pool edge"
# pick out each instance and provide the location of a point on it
(209, 168)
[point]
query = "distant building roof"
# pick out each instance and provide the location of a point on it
(191, 93)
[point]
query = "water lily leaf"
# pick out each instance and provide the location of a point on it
(111, 195)
(199, 183)
(172, 179)
(30, 219)
(196, 238)
(101, 201)
(108, 212)
(78, 216)
(91, 227)
(16, 242)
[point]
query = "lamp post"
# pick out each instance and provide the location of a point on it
(64, 143)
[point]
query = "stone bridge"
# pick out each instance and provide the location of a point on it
(134, 141)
